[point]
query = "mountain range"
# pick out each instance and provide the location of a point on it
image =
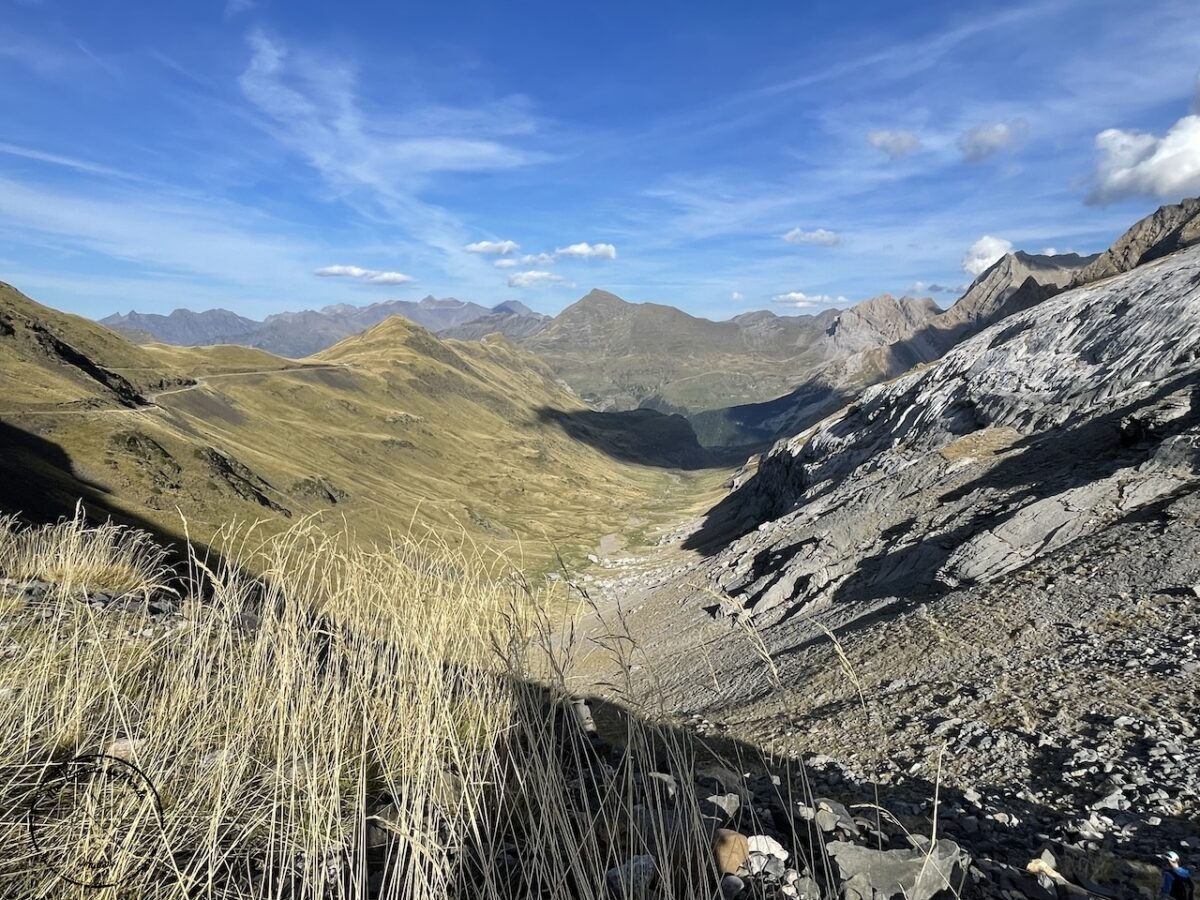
(299, 334)
(741, 382)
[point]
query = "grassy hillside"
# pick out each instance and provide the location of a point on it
(387, 428)
(48, 358)
(622, 355)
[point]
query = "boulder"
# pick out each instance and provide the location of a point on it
(833, 816)
(583, 716)
(732, 887)
(805, 887)
(868, 874)
(722, 806)
(726, 780)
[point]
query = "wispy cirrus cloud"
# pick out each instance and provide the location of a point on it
(313, 105)
(234, 8)
(67, 162)
(155, 236)
(821, 236)
(382, 159)
(801, 300)
(370, 276)
(534, 278)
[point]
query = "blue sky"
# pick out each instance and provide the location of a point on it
(264, 156)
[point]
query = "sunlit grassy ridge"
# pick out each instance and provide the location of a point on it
(387, 428)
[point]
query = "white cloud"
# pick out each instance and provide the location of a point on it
(505, 264)
(533, 278)
(1135, 164)
(499, 247)
(736, 297)
(371, 276)
(822, 236)
(982, 254)
(586, 250)
(895, 144)
(920, 287)
(982, 141)
(801, 300)
(538, 259)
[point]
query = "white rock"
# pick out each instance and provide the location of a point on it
(768, 846)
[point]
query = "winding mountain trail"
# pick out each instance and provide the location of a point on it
(152, 398)
(202, 380)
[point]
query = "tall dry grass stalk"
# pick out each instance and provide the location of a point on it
(347, 723)
(75, 556)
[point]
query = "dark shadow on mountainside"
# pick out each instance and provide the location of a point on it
(641, 436)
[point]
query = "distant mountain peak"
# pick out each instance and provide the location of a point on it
(598, 296)
(513, 308)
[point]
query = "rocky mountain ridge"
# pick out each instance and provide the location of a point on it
(1016, 281)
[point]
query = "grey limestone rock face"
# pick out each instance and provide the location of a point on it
(1049, 425)
(1165, 231)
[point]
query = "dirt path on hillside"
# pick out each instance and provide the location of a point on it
(152, 398)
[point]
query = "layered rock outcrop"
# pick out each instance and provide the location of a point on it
(1046, 426)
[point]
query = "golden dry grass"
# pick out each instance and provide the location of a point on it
(352, 723)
